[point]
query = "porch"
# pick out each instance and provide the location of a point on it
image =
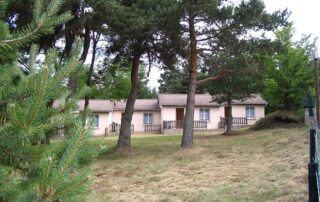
(236, 121)
(115, 128)
(178, 125)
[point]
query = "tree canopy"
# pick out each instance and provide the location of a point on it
(29, 172)
(288, 75)
(212, 27)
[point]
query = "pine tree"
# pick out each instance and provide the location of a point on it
(207, 23)
(245, 80)
(134, 30)
(115, 77)
(174, 79)
(28, 171)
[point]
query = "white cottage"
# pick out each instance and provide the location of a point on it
(166, 113)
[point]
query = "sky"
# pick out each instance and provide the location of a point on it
(305, 15)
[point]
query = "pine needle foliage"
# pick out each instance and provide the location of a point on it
(44, 21)
(30, 171)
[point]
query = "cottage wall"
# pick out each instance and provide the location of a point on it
(164, 109)
(240, 111)
(116, 117)
(214, 116)
(168, 113)
(103, 124)
(137, 119)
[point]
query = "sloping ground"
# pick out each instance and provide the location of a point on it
(267, 165)
(283, 119)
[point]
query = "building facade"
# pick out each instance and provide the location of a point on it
(166, 113)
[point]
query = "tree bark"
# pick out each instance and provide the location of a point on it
(214, 78)
(90, 73)
(229, 118)
(124, 140)
(187, 137)
(86, 43)
(70, 38)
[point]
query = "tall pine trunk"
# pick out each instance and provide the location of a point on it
(187, 137)
(229, 118)
(86, 43)
(90, 73)
(70, 37)
(124, 140)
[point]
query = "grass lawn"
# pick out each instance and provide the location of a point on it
(268, 165)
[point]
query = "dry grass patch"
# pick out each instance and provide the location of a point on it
(267, 165)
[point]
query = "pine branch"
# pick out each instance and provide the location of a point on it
(46, 174)
(3, 7)
(213, 78)
(22, 38)
(9, 153)
(13, 115)
(37, 11)
(41, 25)
(32, 57)
(22, 97)
(75, 144)
(72, 186)
(39, 98)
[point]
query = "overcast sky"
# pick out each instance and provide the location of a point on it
(305, 15)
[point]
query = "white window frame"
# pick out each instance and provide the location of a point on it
(204, 114)
(250, 112)
(149, 117)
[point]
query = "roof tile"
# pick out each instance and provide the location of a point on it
(181, 100)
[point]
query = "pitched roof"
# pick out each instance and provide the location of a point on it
(181, 100)
(254, 100)
(97, 105)
(203, 100)
(140, 105)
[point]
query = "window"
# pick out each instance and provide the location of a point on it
(94, 120)
(250, 113)
(147, 118)
(204, 115)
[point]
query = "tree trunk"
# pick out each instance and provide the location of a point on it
(124, 140)
(70, 38)
(229, 118)
(86, 43)
(90, 73)
(187, 137)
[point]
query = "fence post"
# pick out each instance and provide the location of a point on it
(313, 172)
(106, 133)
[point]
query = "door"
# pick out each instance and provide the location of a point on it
(226, 112)
(179, 117)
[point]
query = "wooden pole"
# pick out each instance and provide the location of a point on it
(316, 80)
(313, 166)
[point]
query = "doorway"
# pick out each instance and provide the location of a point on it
(179, 117)
(226, 112)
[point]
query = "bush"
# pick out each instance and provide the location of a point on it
(279, 119)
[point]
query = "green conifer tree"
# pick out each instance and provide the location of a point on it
(30, 171)
(135, 29)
